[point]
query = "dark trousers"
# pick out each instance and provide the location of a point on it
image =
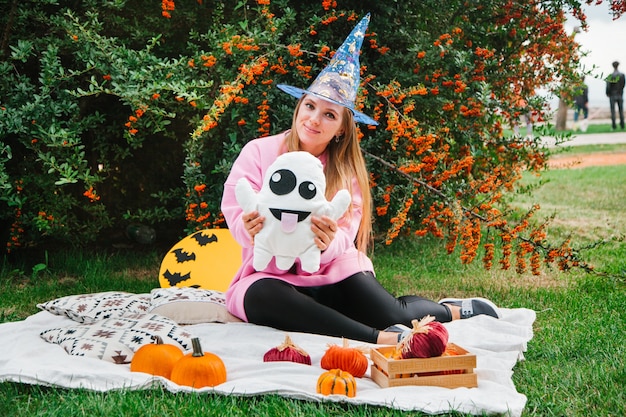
(578, 109)
(356, 308)
(619, 103)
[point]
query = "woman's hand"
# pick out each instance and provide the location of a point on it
(324, 229)
(253, 223)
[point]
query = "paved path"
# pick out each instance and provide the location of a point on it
(592, 139)
(617, 136)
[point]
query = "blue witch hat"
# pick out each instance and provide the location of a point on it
(340, 80)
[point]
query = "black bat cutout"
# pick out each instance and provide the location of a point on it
(183, 256)
(203, 239)
(176, 277)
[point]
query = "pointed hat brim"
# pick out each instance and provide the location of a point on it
(339, 81)
(299, 92)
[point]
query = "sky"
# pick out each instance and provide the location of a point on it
(604, 42)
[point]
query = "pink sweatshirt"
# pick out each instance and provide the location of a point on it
(339, 261)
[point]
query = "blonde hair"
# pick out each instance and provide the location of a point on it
(345, 162)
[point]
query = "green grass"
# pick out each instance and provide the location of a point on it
(603, 212)
(595, 149)
(542, 129)
(596, 128)
(575, 364)
(33, 400)
(592, 128)
(588, 204)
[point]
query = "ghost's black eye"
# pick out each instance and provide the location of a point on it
(307, 190)
(282, 182)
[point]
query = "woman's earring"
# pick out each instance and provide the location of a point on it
(338, 137)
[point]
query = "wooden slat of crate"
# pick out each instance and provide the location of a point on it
(391, 372)
(468, 380)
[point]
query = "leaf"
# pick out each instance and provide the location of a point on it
(64, 181)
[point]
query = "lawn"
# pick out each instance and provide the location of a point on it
(575, 364)
(593, 128)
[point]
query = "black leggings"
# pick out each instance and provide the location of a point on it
(356, 308)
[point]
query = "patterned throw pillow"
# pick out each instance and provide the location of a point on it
(90, 308)
(188, 305)
(116, 339)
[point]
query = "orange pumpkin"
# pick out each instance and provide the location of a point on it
(451, 351)
(156, 358)
(351, 360)
(199, 369)
(336, 381)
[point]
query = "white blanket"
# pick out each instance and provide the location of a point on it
(498, 345)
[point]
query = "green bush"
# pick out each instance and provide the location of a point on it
(120, 111)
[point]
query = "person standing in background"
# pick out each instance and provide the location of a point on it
(581, 104)
(615, 92)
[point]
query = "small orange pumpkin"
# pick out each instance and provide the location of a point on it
(199, 369)
(156, 358)
(351, 360)
(336, 381)
(451, 351)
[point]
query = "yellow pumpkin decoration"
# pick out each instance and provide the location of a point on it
(207, 259)
(199, 369)
(156, 358)
(336, 381)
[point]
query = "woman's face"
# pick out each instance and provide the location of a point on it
(317, 123)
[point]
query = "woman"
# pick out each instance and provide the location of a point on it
(343, 298)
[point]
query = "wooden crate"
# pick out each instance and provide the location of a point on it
(451, 371)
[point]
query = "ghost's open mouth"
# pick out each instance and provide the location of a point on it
(289, 218)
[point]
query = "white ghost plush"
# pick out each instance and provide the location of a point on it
(293, 190)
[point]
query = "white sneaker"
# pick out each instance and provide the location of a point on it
(475, 306)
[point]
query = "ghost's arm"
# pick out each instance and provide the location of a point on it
(348, 227)
(246, 197)
(340, 204)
